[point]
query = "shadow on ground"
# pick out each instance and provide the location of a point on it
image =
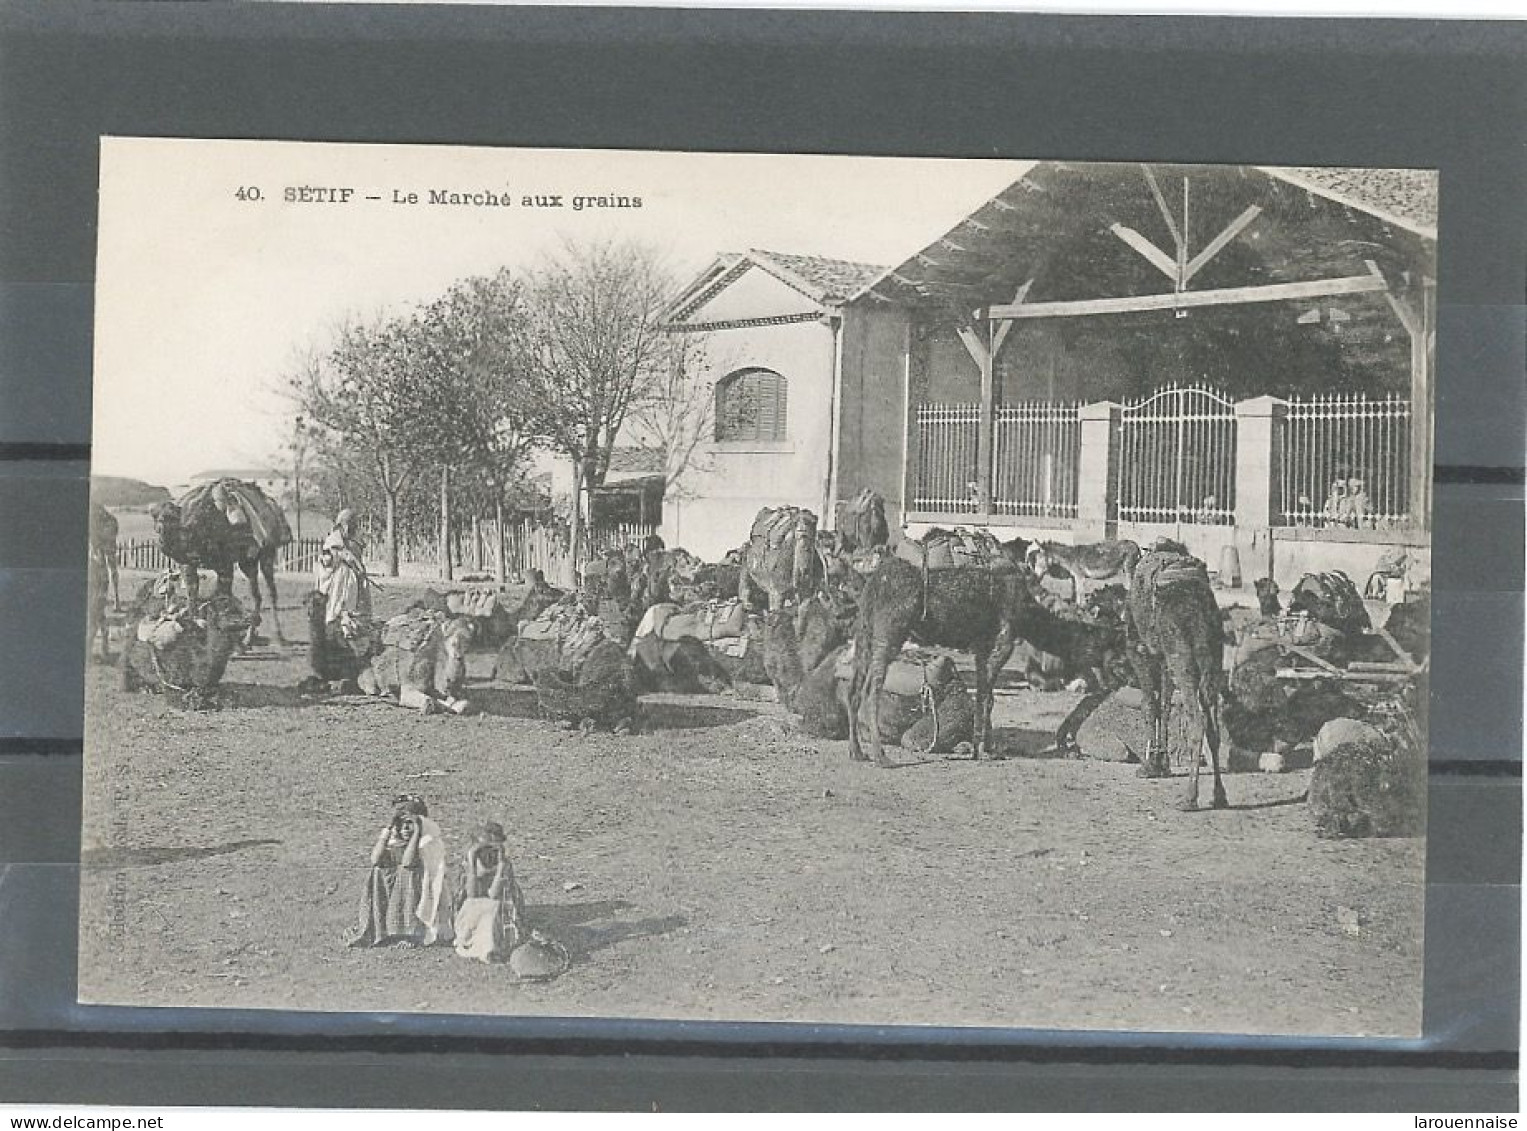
(580, 926)
(149, 857)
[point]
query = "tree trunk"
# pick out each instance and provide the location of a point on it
(498, 538)
(446, 571)
(575, 526)
(392, 534)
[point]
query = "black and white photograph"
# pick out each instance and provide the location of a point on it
(855, 590)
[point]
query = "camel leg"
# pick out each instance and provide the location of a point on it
(880, 663)
(190, 577)
(989, 661)
(1209, 713)
(113, 574)
(1149, 674)
(268, 569)
(1192, 705)
(252, 572)
(1065, 734)
(855, 700)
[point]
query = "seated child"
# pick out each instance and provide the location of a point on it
(490, 910)
(402, 899)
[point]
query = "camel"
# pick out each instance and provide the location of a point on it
(103, 541)
(222, 525)
(1098, 561)
(781, 557)
(187, 645)
(796, 640)
(1176, 636)
(982, 609)
(420, 662)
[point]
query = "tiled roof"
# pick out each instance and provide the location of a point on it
(829, 278)
(1406, 194)
(641, 461)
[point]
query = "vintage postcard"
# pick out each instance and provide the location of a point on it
(759, 588)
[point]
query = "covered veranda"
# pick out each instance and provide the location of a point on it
(1230, 354)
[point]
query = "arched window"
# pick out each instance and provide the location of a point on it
(751, 405)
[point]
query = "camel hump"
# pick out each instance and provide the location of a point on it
(1163, 568)
(1107, 559)
(953, 549)
(775, 525)
(413, 631)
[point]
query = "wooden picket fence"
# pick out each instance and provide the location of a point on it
(144, 554)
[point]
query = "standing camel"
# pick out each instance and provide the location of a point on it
(223, 525)
(981, 609)
(103, 548)
(1176, 636)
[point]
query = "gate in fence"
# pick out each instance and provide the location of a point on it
(1177, 457)
(1037, 451)
(1344, 460)
(946, 458)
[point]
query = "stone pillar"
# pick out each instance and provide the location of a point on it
(1257, 471)
(1097, 471)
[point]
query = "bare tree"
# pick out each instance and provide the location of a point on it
(595, 353)
(677, 416)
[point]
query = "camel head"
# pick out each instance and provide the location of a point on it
(1037, 558)
(456, 636)
(167, 523)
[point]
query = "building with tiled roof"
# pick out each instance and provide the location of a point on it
(1079, 283)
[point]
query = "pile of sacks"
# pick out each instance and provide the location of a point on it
(693, 649)
(924, 706)
(951, 549)
(175, 647)
(1369, 778)
(580, 674)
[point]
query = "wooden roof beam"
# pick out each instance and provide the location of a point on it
(1226, 296)
(1220, 242)
(1153, 254)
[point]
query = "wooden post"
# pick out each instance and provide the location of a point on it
(1423, 361)
(915, 393)
(500, 570)
(446, 571)
(980, 350)
(1420, 325)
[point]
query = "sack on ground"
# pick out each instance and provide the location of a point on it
(709, 622)
(940, 731)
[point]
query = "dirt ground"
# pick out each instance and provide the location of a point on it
(719, 866)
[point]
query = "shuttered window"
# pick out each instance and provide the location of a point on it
(751, 405)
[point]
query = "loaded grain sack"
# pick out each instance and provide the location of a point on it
(863, 520)
(716, 620)
(544, 643)
(1332, 599)
(742, 657)
(951, 549)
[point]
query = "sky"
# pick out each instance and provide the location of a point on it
(205, 297)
